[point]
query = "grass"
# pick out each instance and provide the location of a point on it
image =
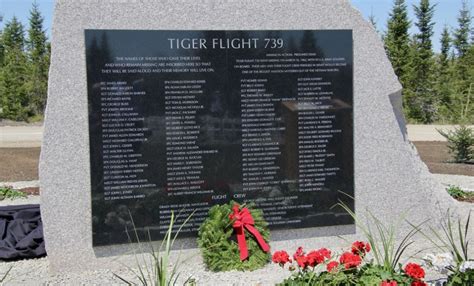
(452, 237)
(157, 270)
(387, 250)
(7, 192)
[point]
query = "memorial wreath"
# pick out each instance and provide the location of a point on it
(234, 237)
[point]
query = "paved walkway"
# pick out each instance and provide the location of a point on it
(20, 136)
(428, 132)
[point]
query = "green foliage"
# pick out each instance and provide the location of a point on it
(38, 61)
(341, 278)
(384, 266)
(397, 40)
(443, 72)
(220, 252)
(436, 88)
(2, 50)
(9, 193)
(386, 250)
(461, 35)
(368, 273)
(156, 271)
(460, 143)
(24, 64)
(457, 77)
(13, 94)
(421, 106)
(459, 194)
(373, 21)
(461, 278)
(374, 275)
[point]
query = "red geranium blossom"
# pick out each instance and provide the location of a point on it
(389, 283)
(302, 261)
(332, 266)
(360, 247)
(350, 260)
(316, 257)
(418, 283)
(281, 257)
(415, 271)
(299, 252)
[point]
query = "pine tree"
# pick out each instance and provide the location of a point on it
(13, 95)
(467, 104)
(463, 65)
(38, 60)
(2, 50)
(373, 21)
(444, 74)
(397, 38)
(397, 46)
(461, 35)
(422, 105)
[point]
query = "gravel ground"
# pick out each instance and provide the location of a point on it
(35, 272)
(5, 122)
(464, 182)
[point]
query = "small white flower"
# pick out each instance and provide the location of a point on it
(466, 265)
(440, 262)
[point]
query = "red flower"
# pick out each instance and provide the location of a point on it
(299, 252)
(326, 253)
(332, 266)
(389, 283)
(418, 283)
(316, 257)
(415, 271)
(360, 248)
(281, 257)
(350, 260)
(302, 261)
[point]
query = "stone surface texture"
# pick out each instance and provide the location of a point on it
(390, 179)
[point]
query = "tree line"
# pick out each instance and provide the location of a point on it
(437, 87)
(24, 65)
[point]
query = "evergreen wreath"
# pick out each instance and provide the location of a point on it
(219, 246)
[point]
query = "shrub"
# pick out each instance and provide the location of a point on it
(460, 143)
(459, 194)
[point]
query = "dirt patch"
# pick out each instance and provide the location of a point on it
(466, 200)
(436, 156)
(19, 164)
(34, 191)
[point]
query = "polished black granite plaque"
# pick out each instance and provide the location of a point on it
(182, 120)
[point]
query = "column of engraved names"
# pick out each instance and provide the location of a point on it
(315, 130)
(260, 147)
(184, 156)
(122, 130)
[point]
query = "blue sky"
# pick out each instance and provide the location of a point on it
(446, 12)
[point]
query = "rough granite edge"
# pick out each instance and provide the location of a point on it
(52, 166)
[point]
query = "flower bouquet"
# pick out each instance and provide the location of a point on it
(353, 267)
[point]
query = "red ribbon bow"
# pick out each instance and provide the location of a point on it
(243, 219)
